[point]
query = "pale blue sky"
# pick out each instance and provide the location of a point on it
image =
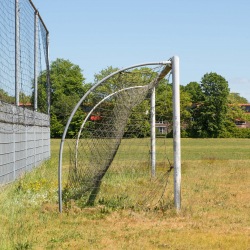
(208, 36)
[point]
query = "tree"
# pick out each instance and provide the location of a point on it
(24, 98)
(194, 89)
(210, 114)
(67, 87)
(164, 103)
(135, 77)
(56, 127)
(109, 86)
(66, 80)
(4, 96)
(236, 98)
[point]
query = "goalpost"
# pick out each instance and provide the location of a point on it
(116, 113)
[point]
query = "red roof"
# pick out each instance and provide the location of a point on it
(25, 104)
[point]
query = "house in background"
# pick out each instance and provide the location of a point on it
(243, 124)
(163, 127)
(238, 122)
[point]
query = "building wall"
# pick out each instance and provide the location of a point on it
(24, 141)
(244, 125)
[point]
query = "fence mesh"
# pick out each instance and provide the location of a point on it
(7, 51)
(110, 157)
(26, 54)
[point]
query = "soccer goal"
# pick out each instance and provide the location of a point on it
(119, 155)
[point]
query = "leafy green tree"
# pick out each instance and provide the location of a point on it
(236, 98)
(67, 87)
(138, 123)
(76, 123)
(24, 98)
(66, 80)
(136, 77)
(164, 103)
(4, 96)
(109, 86)
(210, 114)
(56, 127)
(194, 89)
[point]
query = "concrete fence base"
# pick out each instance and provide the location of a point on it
(24, 142)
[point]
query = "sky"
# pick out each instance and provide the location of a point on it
(208, 36)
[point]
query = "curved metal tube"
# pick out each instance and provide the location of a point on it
(74, 111)
(92, 110)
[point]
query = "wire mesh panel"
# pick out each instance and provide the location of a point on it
(26, 51)
(29, 49)
(7, 50)
(110, 156)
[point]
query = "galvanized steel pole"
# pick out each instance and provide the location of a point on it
(153, 133)
(48, 74)
(35, 61)
(14, 144)
(176, 131)
(17, 52)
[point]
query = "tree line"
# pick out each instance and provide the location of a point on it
(208, 109)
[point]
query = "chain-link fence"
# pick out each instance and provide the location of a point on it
(24, 55)
(24, 89)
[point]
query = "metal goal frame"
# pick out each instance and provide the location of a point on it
(174, 66)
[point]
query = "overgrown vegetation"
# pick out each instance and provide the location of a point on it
(214, 215)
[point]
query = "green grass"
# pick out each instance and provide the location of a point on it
(214, 215)
(192, 149)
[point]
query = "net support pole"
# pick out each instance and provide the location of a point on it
(176, 131)
(17, 52)
(48, 73)
(35, 60)
(153, 133)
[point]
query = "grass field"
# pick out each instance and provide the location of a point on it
(215, 210)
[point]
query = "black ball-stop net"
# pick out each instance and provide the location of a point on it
(110, 156)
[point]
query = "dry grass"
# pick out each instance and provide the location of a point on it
(215, 209)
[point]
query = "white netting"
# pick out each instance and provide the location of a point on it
(110, 157)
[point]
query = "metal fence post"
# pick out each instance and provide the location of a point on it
(14, 144)
(153, 133)
(35, 60)
(26, 143)
(48, 73)
(14, 150)
(176, 132)
(17, 52)
(48, 84)
(42, 143)
(35, 132)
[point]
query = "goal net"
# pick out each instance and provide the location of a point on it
(110, 158)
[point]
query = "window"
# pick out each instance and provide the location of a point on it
(162, 130)
(161, 122)
(240, 122)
